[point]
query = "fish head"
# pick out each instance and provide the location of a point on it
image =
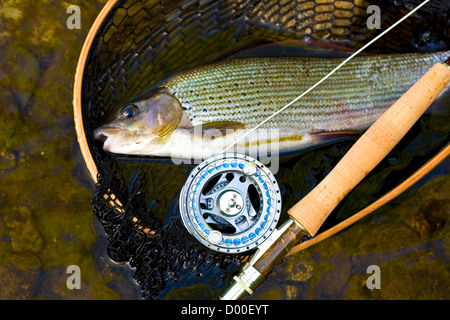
(141, 126)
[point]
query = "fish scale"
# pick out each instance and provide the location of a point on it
(249, 90)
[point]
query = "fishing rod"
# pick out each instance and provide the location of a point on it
(231, 203)
(219, 210)
(308, 215)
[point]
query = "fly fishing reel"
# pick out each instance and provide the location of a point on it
(230, 203)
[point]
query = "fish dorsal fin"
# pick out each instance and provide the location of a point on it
(324, 137)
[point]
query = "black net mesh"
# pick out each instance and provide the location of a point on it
(142, 42)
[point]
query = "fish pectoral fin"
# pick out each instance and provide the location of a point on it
(224, 127)
(163, 134)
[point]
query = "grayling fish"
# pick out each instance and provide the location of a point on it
(197, 113)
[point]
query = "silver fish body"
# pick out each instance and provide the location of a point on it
(235, 95)
(251, 89)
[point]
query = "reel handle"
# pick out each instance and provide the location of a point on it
(370, 149)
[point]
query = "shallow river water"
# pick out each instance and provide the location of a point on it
(46, 218)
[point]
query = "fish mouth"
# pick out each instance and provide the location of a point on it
(112, 139)
(100, 137)
(102, 133)
(103, 137)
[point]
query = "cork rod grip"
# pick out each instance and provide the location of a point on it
(369, 150)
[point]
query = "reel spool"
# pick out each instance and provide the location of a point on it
(230, 203)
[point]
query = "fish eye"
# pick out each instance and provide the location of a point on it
(130, 111)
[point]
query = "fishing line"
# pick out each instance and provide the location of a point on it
(329, 74)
